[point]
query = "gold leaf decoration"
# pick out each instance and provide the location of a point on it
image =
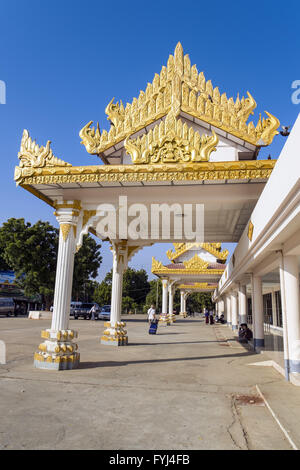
(32, 155)
(213, 248)
(65, 229)
(171, 142)
(179, 87)
(196, 263)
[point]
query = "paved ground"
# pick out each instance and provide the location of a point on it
(188, 387)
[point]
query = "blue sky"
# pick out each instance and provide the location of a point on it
(63, 61)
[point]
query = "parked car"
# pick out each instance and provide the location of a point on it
(84, 311)
(7, 306)
(74, 306)
(104, 313)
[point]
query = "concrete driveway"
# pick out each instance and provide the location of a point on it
(188, 387)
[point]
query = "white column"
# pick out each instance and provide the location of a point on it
(58, 351)
(257, 313)
(186, 294)
(182, 304)
(234, 311)
(115, 335)
(164, 296)
(171, 316)
(242, 304)
(225, 307)
(163, 319)
(228, 309)
(289, 283)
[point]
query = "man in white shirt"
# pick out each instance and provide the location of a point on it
(151, 314)
(93, 311)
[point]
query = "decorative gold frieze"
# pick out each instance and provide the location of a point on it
(235, 170)
(198, 285)
(179, 87)
(33, 156)
(171, 142)
(194, 267)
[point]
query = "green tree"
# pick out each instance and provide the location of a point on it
(102, 293)
(136, 285)
(198, 300)
(31, 251)
(86, 264)
(154, 296)
(135, 289)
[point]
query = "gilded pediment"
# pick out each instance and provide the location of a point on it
(212, 248)
(179, 87)
(171, 142)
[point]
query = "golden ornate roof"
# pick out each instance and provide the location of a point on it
(194, 266)
(213, 248)
(179, 87)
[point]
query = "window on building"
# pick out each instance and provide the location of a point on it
(267, 306)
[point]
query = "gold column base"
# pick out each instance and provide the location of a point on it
(57, 352)
(164, 320)
(183, 314)
(172, 318)
(114, 335)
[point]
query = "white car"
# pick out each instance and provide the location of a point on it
(104, 313)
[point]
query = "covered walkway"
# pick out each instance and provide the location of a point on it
(189, 387)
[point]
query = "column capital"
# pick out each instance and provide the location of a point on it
(120, 254)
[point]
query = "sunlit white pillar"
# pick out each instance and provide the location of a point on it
(171, 315)
(182, 304)
(163, 320)
(257, 313)
(234, 311)
(58, 351)
(115, 334)
(228, 309)
(225, 307)
(289, 284)
(242, 304)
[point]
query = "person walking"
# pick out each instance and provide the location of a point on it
(93, 311)
(151, 314)
(206, 316)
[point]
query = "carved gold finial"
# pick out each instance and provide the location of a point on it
(31, 155)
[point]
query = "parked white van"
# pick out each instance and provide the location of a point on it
(7, 306)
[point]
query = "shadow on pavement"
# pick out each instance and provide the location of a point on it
(91, 365)
(177, 342)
